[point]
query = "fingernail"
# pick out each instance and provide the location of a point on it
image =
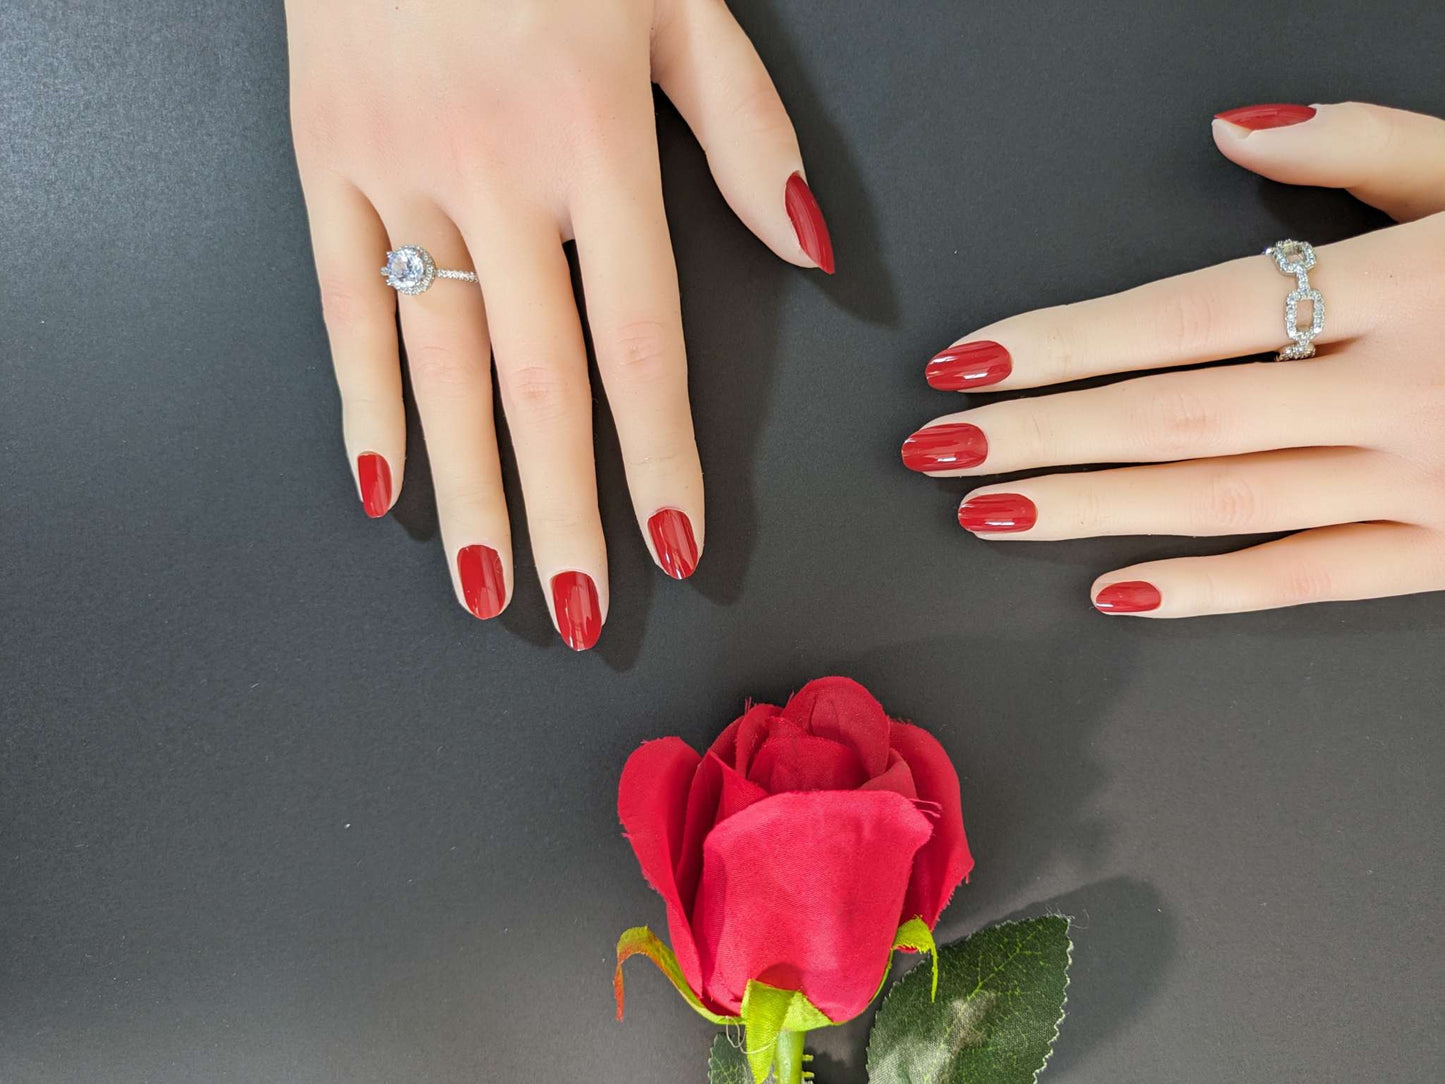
(1130, 597)
(971, 365)
(483, 586)
(997, 513)
(672, 538)
(1259, 117)
(374, 475)
(952, 446)
(579, 616)
(808, 224)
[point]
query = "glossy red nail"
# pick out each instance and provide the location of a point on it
(483, 586)
(952, 446)
(373, 473)
(1129, 597)
(808, 224)
(579, 615)
(672, 538)
(1259, 117)
(997, 513)
(969, 365)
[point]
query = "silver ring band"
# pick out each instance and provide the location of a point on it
(411, 270)
(1297, 258)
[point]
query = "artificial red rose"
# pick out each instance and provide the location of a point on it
(793, 850)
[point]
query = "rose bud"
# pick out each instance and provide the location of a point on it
(790, 855)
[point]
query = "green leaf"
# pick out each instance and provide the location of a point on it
(1000, 1000)
(641, 940)
(726, 1064)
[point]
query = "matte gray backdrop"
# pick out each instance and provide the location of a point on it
(273, 808)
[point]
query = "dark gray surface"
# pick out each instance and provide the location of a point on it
(273, 808)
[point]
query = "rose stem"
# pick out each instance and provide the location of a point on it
(788, 1061)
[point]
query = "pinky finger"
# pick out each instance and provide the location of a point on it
(1329, 564)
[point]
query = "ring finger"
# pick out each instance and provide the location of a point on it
(449, 357)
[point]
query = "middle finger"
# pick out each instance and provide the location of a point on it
(1211, 412)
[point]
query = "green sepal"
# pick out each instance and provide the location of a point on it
(915, 936)
(641, 940)
(767, 1012)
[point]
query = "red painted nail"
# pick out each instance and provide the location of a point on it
(672, 538)
(1259, 117)
(1130, 597)
(483, 585)
(579, 615)
(997, 513)
(952, 446)
(971, 365)
(808, 224)
(374, 474)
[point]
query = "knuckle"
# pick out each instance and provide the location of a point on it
(1178, 424)
(1228, 502)
(757, 111)
(539, 393)
(437, 364)
(642, 351)
(1060, 358)
(1306, 583)
(1186, 323)
(345, 306)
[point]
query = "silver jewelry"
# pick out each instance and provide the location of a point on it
(411, 270)
(1297, 258)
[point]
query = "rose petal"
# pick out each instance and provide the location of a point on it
(791, 760)
(841, 709)
(944, 860)
(750, 731)
(652, 803)
(898, 778)
(803, 892)
(717, 793)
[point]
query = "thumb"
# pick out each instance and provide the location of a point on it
(1390, 158)
(709, 69)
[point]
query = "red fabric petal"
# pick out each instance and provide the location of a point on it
(792, 760)
(652, 803)
(944, 860)
(898, 778)
(803, 892)
(717, 793)
(841, 709)
(750, 731)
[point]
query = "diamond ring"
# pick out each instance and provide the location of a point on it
(1297, 258)
(411, 270)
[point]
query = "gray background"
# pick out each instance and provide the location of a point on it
(273, 808)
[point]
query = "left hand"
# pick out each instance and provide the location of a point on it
(1348, 448)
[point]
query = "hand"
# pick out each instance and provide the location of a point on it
(490, 132)
(1349, 444)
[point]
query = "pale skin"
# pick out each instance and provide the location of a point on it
(491, 132)
(1346, 449)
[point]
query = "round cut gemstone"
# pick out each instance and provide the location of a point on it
(404, 269)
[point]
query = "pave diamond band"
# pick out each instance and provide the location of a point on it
(411, 270)
(1297, 258)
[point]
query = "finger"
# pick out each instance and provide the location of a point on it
(542, 370)
(1330, 564)
(1249, 494)
(633, 311)
(349, 240)
(1390, 158)
(1229, 310)
(1169, 416)
(449, 357)
(706, 65)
